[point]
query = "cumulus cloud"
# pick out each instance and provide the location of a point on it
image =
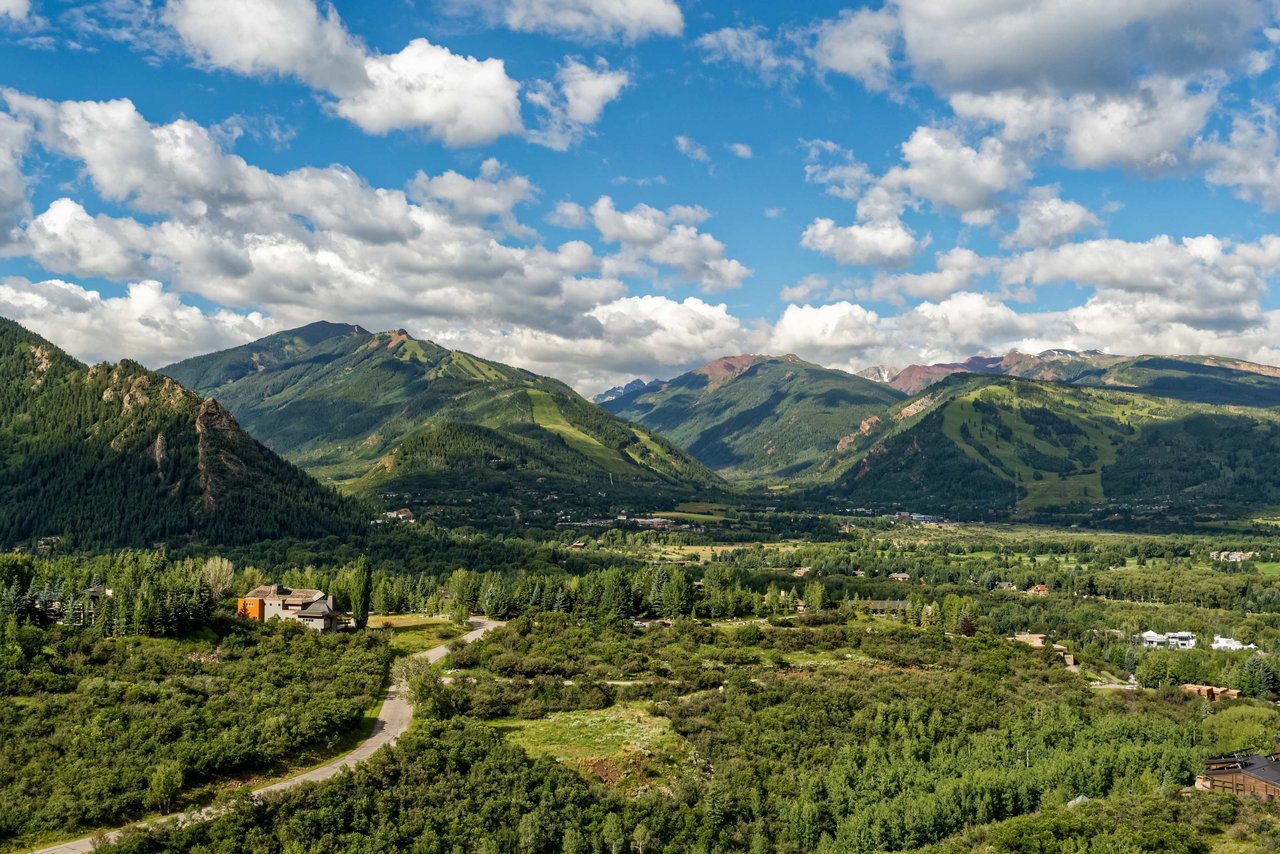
(588, 20)
(858, 44)
(1248, 161)
(1044, 219)
(886, 243)
(649, 236)
(568, 215)
(806, 289)
(941, 169)
(957, 268)
(741, 150)
(459, 100)
(15, 9)
(574, 102)
(752, 49)
(15, 134)
(493, 194)
(147, 323)
(1062, 45)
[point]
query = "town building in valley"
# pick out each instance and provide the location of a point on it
(275, 601)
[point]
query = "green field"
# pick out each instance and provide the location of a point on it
(549, 417)
(624, 746)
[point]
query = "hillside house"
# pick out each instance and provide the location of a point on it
(1038, 590)
(1173, 640)
(1005, 585)
(1243, 774)
(899, 576)
(275, 601)
(1230, 644)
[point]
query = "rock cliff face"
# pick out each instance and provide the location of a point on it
(117, 455)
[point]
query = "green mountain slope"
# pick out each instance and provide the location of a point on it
(757, 416)
(975, 445)
(1204, 379)
(388, 413)
(116, 455)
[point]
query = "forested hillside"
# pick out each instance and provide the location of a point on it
(757, 416)
(118, 455)
(994, 445)
(386, 413)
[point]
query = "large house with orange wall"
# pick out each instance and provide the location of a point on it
(275, 601)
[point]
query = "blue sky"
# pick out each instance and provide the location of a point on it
(600, 189)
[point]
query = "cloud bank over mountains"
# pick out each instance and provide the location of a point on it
(132, 231)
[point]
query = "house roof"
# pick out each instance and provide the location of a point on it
(280, 593)
(1253, 764)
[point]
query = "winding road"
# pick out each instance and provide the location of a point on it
(393, 719)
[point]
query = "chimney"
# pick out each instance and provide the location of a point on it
(329, 600)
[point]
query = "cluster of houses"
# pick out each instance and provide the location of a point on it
(1187, 640)
(1232, 557)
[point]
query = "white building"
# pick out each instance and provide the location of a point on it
(1173, 640)
(1230, 644)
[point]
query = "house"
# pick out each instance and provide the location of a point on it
(1173, 640)
(1212, 693)
(899, 576)
(309, 607)
(1038, 590)
(1230, 644)
(1243, 774)
(404, 514)
(1151, 640)
(1006, 585)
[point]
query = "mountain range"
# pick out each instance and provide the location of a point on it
(120, 455)
(756, 417)
(1206, 379)
(115, 455)
(387, 414)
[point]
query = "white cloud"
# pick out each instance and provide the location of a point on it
(956, 270)
(750, 48)
(667, 238)
(834, 167)
(16, 9)
(858, 44)
(148, 323)
(940, 168)
(458, 100)
(1045, 219)
(15, 134)
(626, 20)
(574, 102)
(741, 150)
(805, 289)
(568, 215)
(691, 148)
(1061, 45)
(885, 243)
(1248, 162)
(493, 194)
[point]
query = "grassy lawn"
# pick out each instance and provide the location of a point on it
(624, 746)
(415, 632)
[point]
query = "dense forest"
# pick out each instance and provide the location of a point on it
(116, 455)
(843, 736)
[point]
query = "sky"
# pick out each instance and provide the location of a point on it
(606, 189)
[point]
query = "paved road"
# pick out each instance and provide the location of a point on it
(393, 719)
